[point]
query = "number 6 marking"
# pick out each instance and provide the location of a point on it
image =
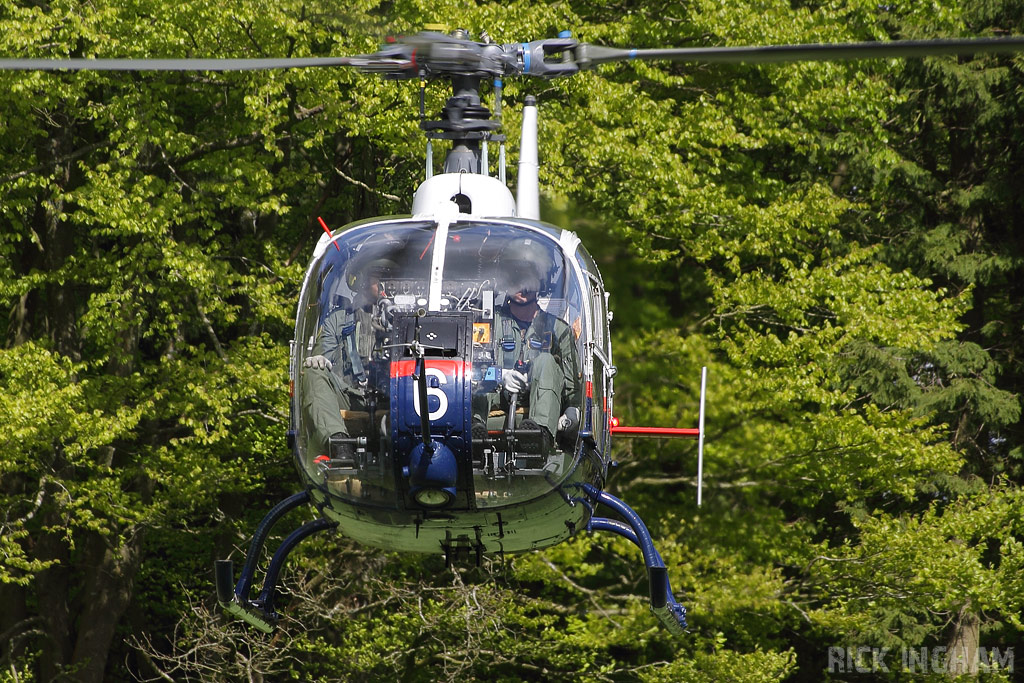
(433, 391)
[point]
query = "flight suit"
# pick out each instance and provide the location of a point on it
(346, 339)
(547, 350)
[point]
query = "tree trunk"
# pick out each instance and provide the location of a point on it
(963, 645)
(53, 586)
(14, 622)
(108, 586)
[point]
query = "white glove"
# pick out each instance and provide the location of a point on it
(513, 381)
(318, 363)
(384, 314)
(570, 419)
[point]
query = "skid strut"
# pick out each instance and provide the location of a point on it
(235, 601)
(663, 603)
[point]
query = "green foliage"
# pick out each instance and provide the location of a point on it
(834, 240)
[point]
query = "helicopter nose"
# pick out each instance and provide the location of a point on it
(432, 474)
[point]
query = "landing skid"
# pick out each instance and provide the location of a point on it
(663, 603)
(260, 612)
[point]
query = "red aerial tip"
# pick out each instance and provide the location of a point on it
(328, 231)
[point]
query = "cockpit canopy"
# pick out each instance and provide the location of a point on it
(481, 263)
(466, 304)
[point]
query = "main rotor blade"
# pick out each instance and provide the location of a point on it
(175, 64)
(593, 55)
(441, 54)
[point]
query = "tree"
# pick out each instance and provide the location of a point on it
(825, 345)
(154, 232)
(948, 210)
(150, 265)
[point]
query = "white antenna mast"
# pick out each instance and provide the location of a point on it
(528, 190)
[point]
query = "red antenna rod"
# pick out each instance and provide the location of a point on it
(328, 231)
(669, 432)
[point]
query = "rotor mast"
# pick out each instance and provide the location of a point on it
(467, 123)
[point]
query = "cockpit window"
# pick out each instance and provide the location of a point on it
(387, 261)
(527, 321)
(485, 265)
(492, 317)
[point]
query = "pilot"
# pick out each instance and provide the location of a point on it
(334, 376)
(536, 350)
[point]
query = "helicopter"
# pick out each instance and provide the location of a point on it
(432, 319)
(451, 370)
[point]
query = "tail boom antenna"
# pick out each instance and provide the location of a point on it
(675, 433)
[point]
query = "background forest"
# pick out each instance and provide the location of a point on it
(841, 243)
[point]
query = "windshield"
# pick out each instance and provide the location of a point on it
(490, 313)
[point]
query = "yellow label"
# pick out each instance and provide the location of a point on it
(481, 333)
